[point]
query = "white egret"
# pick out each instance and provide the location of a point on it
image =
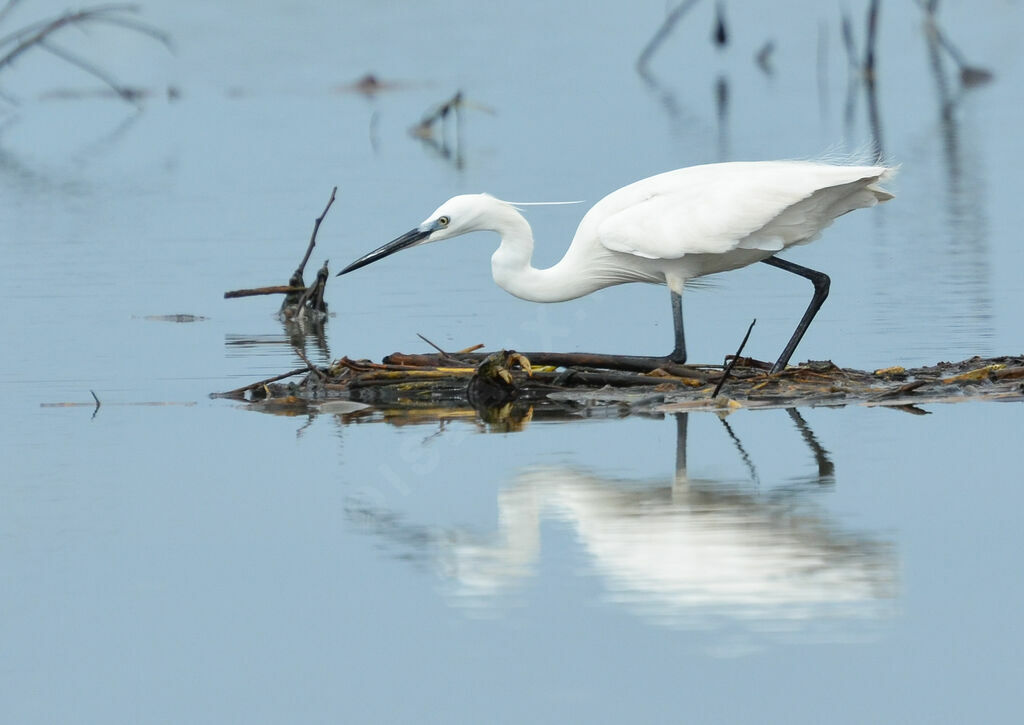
(668, 229)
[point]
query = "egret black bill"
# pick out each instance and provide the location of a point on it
(410, 238)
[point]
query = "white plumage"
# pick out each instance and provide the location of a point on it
(667, 229)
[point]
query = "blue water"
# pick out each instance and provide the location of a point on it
(178, 559)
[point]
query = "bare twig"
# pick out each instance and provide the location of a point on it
(274, 290)
(432, 344)
(316, 228)
(732, 362)
(442, 352)
(297, 294)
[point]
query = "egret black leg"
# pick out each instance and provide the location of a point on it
(821, 283)
(678, 355)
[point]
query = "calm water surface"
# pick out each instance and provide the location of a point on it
(197, 561)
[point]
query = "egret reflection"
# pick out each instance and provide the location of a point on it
(686, 552)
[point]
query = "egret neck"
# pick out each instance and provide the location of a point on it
(513, 272)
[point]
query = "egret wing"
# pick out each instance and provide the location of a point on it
(720, 207)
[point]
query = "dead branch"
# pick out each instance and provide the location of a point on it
(316, 228)
(274, 290)
(299, 299)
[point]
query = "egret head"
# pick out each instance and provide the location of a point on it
(459, 215)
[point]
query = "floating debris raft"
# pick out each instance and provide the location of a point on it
(565, 382)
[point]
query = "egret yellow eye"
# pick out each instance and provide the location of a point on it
(443, 221)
